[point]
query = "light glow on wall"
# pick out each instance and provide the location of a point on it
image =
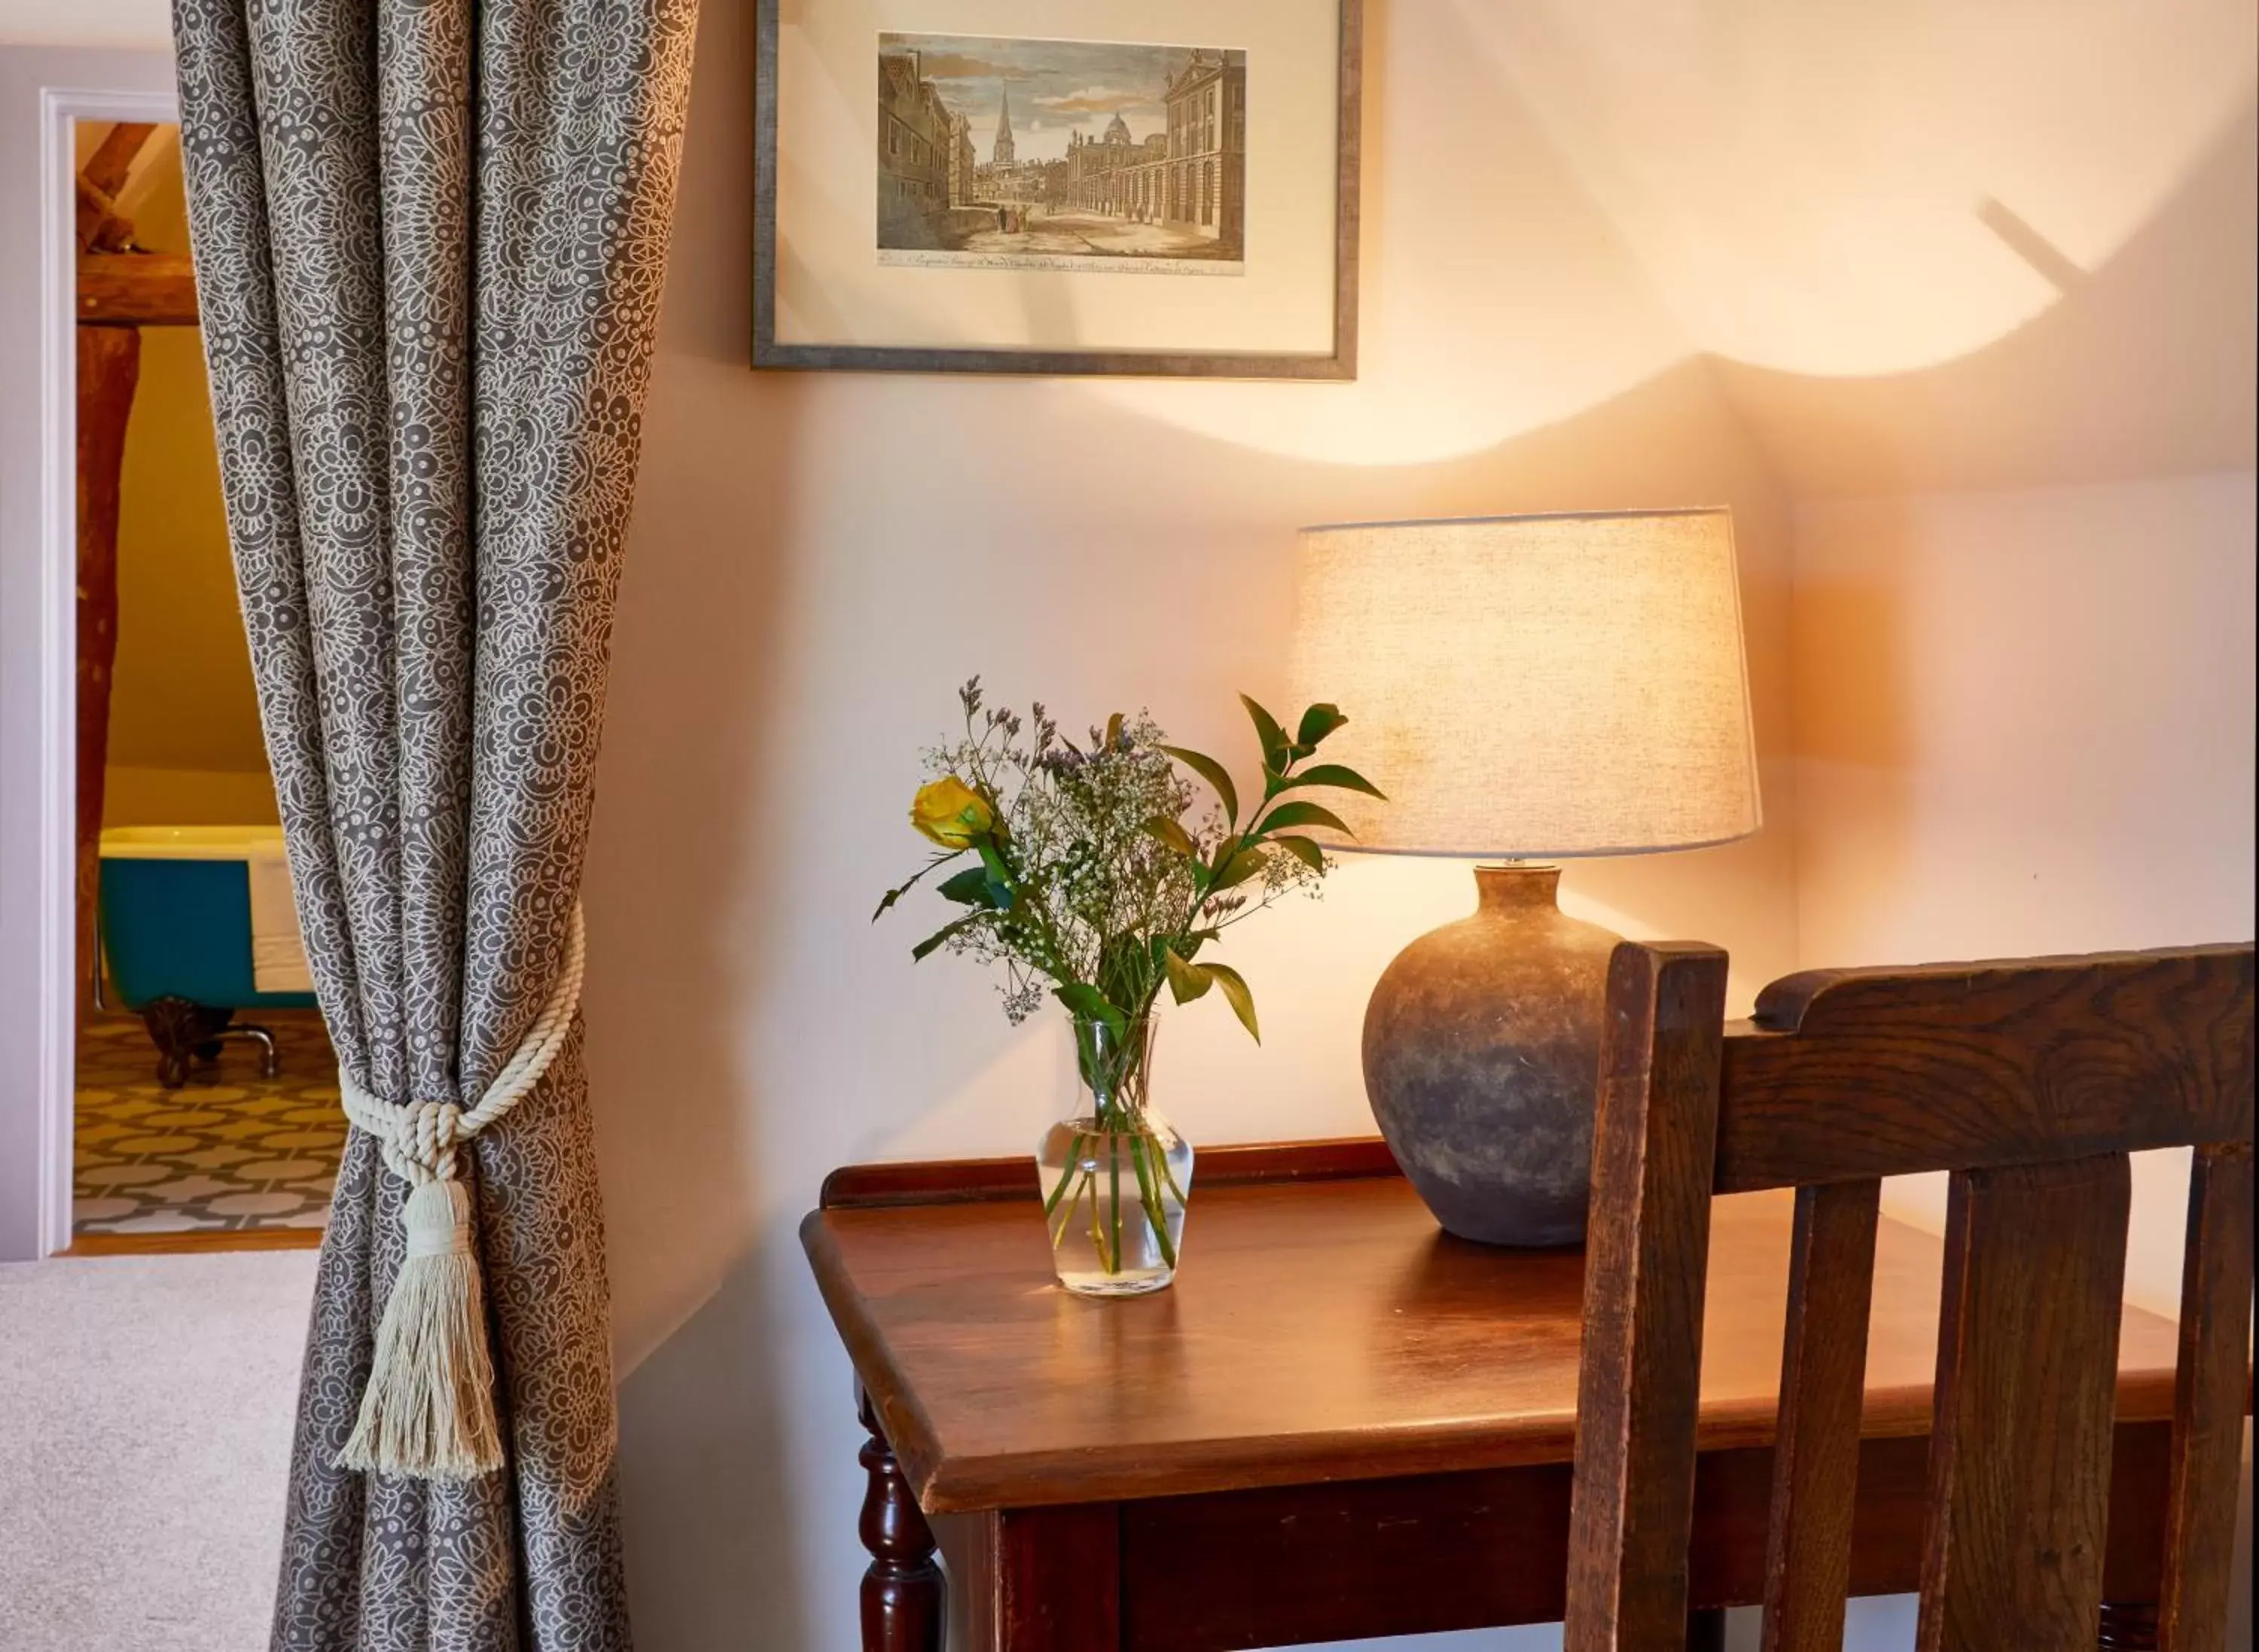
(1835, 193)
(1870, 189)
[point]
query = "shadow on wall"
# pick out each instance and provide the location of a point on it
(2141, 368)
(669, 986)
(1873, 190)
(2047, 663)
(718, 1539)
(703, 1428)
(1854, 715)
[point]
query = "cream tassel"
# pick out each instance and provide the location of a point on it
(428, 1411)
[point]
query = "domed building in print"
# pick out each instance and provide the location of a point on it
(1188, 177)
(1090, 164)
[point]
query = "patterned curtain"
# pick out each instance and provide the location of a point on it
(429, 237)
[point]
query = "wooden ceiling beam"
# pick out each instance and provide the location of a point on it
(137, 289)
(112, 160)
(101, 225)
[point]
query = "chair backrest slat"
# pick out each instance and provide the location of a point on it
(2031, 1082)
(1815, 1466)
(1887, 1072)
(1636, 1406)
(2209, 1391)
(2027, 1394)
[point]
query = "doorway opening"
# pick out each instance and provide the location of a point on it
(204, 1096)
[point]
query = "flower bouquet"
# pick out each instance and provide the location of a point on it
(1096, 876)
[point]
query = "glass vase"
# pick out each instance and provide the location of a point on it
(1115, 1176)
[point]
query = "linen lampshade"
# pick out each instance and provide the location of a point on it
(1533, 686)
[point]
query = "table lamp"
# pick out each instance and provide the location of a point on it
(1525, 689)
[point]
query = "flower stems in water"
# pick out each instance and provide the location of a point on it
(1150, 1196)
(1085, 1175)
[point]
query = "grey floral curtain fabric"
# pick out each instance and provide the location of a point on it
(430, 238)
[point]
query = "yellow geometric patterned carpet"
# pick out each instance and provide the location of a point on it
(230, 1150)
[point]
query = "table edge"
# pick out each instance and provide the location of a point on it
(967, 1484)
(909, 1431)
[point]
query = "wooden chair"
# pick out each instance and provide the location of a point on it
(2030, 1081)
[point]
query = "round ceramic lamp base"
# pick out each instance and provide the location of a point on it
(1482, 1049)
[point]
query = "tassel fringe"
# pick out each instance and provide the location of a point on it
(428, 1411)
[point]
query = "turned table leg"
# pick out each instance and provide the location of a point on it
(901, 1591)
(2129, 1628)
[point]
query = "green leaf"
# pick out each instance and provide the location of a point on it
(968, 888)
(1001, 883)
(1275, 746)
(1238, 870)
(1242, 1001)
(1205, 873)
(1336, 775)
(1082, 998)
(1214, 773)
(1318, 721)
(1304, 850)
(1302, 814)
(1113, 731)
(1174, 836)
(941, 937)
(1186, 981)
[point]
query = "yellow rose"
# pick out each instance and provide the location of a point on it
(952, 813)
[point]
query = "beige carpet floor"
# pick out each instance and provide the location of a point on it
(145, 1434)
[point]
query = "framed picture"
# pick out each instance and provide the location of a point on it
(1144, 187)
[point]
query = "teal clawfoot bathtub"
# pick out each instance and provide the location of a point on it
(175, 919)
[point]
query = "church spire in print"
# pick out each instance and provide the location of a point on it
(1001, 155)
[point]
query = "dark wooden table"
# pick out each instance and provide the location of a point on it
(1339, 1423)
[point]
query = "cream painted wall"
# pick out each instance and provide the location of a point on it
(2025, 725)
(819, 558)
(139, 24)
(184, 741)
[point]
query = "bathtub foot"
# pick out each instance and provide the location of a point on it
(178, 1028)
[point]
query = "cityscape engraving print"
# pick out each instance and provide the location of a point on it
(1061, 155)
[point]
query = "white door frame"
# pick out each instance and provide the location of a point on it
(42, 92)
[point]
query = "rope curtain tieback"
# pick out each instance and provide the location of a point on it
(428, 1412)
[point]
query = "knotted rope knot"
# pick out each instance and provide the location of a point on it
(419, 1141)
(428, 1411)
